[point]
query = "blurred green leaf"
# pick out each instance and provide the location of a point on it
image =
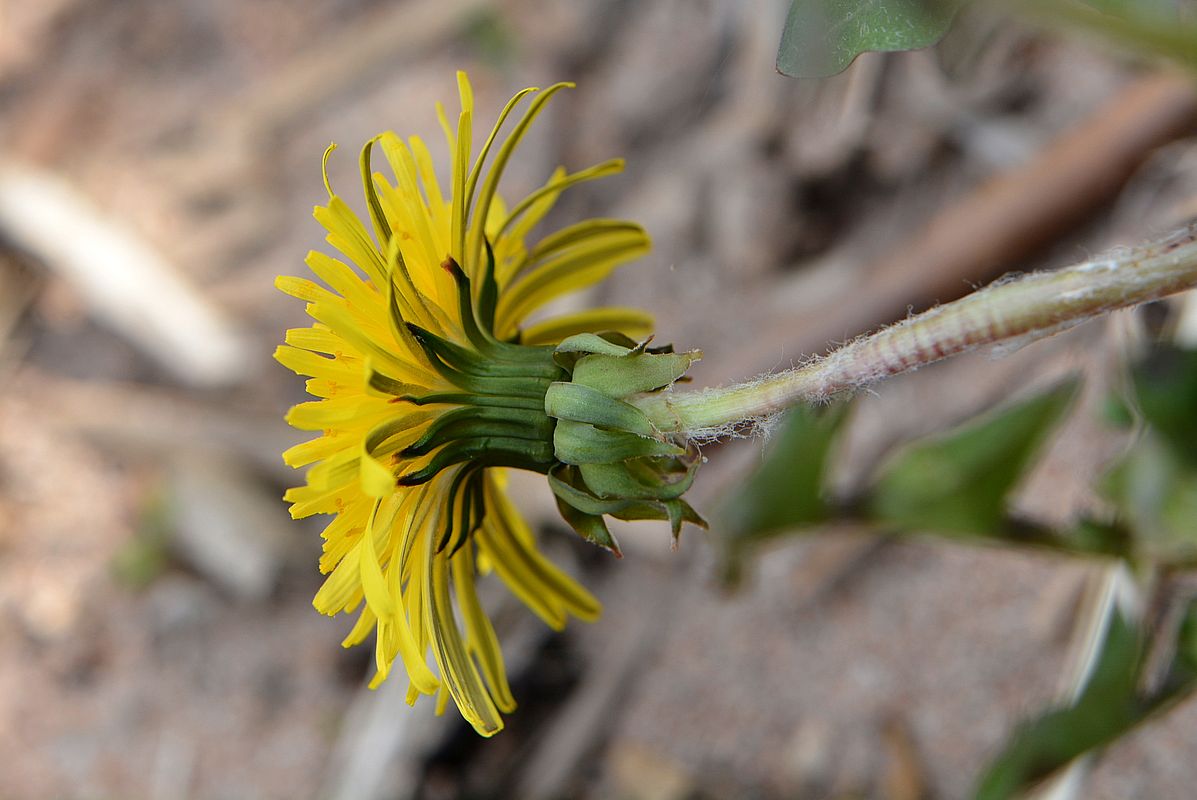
(957, 482)
(1105, 709)
(490, 35)
(787, 490)
(146, 554)
(1165, 385)
(1184, 665)
(1153, 485)
(1094, 537)
(1117, 414)
(1109, 706)
(1155, 493)
(822, 37)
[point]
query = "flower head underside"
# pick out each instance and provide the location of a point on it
(430, 382)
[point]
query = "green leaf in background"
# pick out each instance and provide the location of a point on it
(957, 482)
(822, 37)
(787, 490)
(1165, 386)
(1094, 537)
(1154, 484)
(145, 556)
(1184, 665)
(1155, 492)
(1108, 707)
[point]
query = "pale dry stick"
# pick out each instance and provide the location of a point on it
(1006, 312)
(126, 282)
(1005, 220)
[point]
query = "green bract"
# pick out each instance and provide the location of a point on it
(613, 459)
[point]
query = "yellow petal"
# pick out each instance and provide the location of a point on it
(461, 163)
(574, 269)
(306, 501)
(491, 184)
(559, 183)
(313, 450)
(320, 340)
(303, 289)
(341, 278)
(334, 472)
(376, 479)
(305, 362)
(631, 322)
(339, 587)
(361, 629)
(318, 415)
(373, 583)
(480, 634)
(518, 578)
(404, 203)
(556, 583)
(342, 534)
(347, 234)
(369, 344)
(428, 179)
(410, 651)
(457, 669)
(472, 181)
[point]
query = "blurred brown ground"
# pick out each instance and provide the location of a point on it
(156, 633)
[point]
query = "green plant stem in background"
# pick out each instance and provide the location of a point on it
(1153, 28)
(1008, 311)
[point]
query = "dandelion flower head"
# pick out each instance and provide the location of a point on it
(430, 383)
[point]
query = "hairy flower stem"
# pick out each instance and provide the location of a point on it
(1026, 308)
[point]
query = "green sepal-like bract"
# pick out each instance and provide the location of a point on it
(586, 511)
(591, 527)
(621, 376)
(579, 443)
(571, 401)
(614, 460)
(664, 479)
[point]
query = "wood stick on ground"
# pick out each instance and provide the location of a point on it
(125, 282)
(1005, 220)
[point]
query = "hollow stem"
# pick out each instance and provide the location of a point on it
(1026, 308)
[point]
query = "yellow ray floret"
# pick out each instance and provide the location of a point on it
(426, 375)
